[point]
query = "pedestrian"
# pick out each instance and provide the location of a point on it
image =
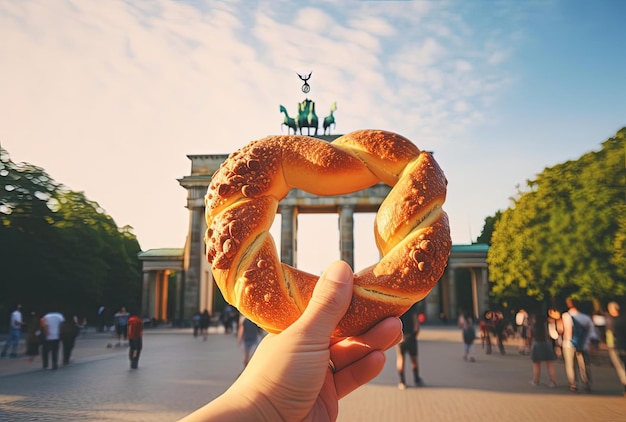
(486, 328)
(15, 331)
(248, 336)
(408, 346)
(226, 317)
(195, 322)
(51, 327)
(555, 331)
(541, 349)
(121, 324)
(205, 322)
(34, 336)
(469, 335)
(69, 332)
(616, 340)
(305, 386)
(576, 329)
(499, 328)
(135, 340)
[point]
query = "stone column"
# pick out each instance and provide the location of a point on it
(444, 288)
(346, 234)
(289, 235)
(152, 287)
(178, 309)
(165, 275)
(475, 288)
(484, 283)
(431, 302)
(194, 268)
(145, 295)
(158, 301)
(452, 302)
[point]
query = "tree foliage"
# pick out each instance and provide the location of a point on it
(566, 234)
(488, 227)
(59, 250)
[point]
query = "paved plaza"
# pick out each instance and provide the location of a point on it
(178, 373)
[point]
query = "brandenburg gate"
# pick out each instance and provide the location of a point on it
(179, 283)
(463, 287)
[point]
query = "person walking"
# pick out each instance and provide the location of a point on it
(226, 318)
(541, 349)
(576, 329)
(15, 330)
(69, 332)
(616, 340)
(499, 327)
(51, 327)
(248, 336)
(469, 335)
(408, 346)
(195, 322)
(555, 331)
(135, 340)
(205, 322)
(486, 327)
(121, 325)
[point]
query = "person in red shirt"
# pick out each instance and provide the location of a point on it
(135, 340)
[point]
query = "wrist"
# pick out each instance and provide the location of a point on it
(238, 403)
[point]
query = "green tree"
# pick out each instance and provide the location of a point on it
(566, 234)
(488, 228)
(59, 249)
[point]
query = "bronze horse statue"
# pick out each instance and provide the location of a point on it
(330, 120)
(290, 122)
(307, 117)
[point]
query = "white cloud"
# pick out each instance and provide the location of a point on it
(110, 96)
(372, 25)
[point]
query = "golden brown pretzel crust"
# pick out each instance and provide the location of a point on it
(411, 230)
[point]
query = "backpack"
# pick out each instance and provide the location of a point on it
(469, 334)
(579, 335)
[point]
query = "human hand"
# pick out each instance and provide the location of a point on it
(288, 377)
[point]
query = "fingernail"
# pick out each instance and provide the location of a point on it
(339, 272)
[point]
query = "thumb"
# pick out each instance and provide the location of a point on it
(329, 302)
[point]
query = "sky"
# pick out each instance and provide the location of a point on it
(109, 97)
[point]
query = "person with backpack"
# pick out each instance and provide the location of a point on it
(577, 327)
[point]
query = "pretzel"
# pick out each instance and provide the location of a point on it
(411, 229)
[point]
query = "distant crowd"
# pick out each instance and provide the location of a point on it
(53, 332)
(574, 336)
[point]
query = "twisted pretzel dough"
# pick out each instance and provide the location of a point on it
(411, 229)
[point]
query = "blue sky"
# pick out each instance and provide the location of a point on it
(110, 97)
